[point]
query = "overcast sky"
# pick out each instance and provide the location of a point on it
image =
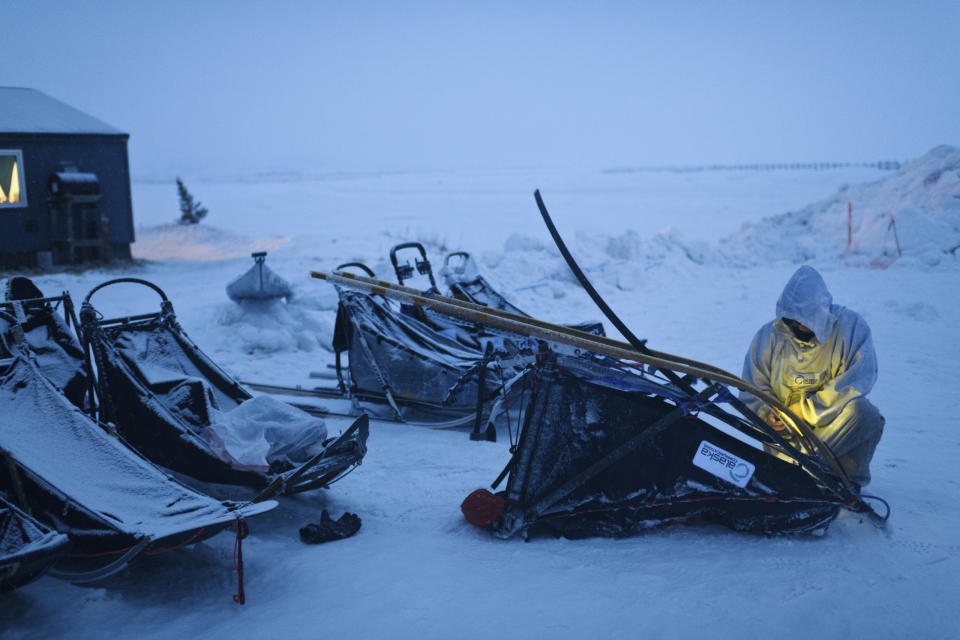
(216, 87)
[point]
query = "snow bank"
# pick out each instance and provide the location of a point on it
(923, 197)
(196, 242)
(274, 326)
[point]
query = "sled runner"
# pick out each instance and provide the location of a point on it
(27, 548)
(178, 408)
(77, 478)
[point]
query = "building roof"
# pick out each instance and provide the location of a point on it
(30, 111)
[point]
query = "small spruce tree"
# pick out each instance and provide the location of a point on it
(190, 212)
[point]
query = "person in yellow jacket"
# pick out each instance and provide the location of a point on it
(817, 358)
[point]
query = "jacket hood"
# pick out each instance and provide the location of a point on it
(807, 300)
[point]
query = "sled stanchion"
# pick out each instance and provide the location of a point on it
(490, 434)
(381, 377)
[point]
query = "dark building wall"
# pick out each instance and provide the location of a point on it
(24, 231)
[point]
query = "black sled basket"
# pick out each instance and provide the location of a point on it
(75, 477)
(167, 420)
(427, 374)
(607, 452)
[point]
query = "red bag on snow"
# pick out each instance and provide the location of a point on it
(481, 508)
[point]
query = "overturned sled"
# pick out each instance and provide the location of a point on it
(75, 477)
(178, 408)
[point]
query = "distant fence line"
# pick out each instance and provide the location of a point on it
(883, 165)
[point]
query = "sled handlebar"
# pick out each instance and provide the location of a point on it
(405, 271)
(145, 283)
(459, 254)
(358, 265)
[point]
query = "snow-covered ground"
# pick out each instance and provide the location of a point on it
(692, 261)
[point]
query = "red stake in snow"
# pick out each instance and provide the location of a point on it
(849, 224)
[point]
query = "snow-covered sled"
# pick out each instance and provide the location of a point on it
(178, 408)
(417, 365)
(259, 284)
(634, 438)
(465, 282)
(49, 325)
(81, 480)
(27, 548)
(420, 371)
(613, 440)
(609, 451)
(617, 437)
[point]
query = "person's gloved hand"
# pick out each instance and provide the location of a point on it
(797, 409)
(782, 428)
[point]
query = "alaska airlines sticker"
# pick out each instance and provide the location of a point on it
(723, 464)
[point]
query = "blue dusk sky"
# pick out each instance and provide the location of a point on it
(219, 87)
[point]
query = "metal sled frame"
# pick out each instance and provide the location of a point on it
(380, 382)
(101, 543)
(126, 400)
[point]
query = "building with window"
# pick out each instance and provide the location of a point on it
(64, 184)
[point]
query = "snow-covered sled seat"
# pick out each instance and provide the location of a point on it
(178, 408)
(79, 479)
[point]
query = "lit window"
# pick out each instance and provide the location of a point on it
(12, 193)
